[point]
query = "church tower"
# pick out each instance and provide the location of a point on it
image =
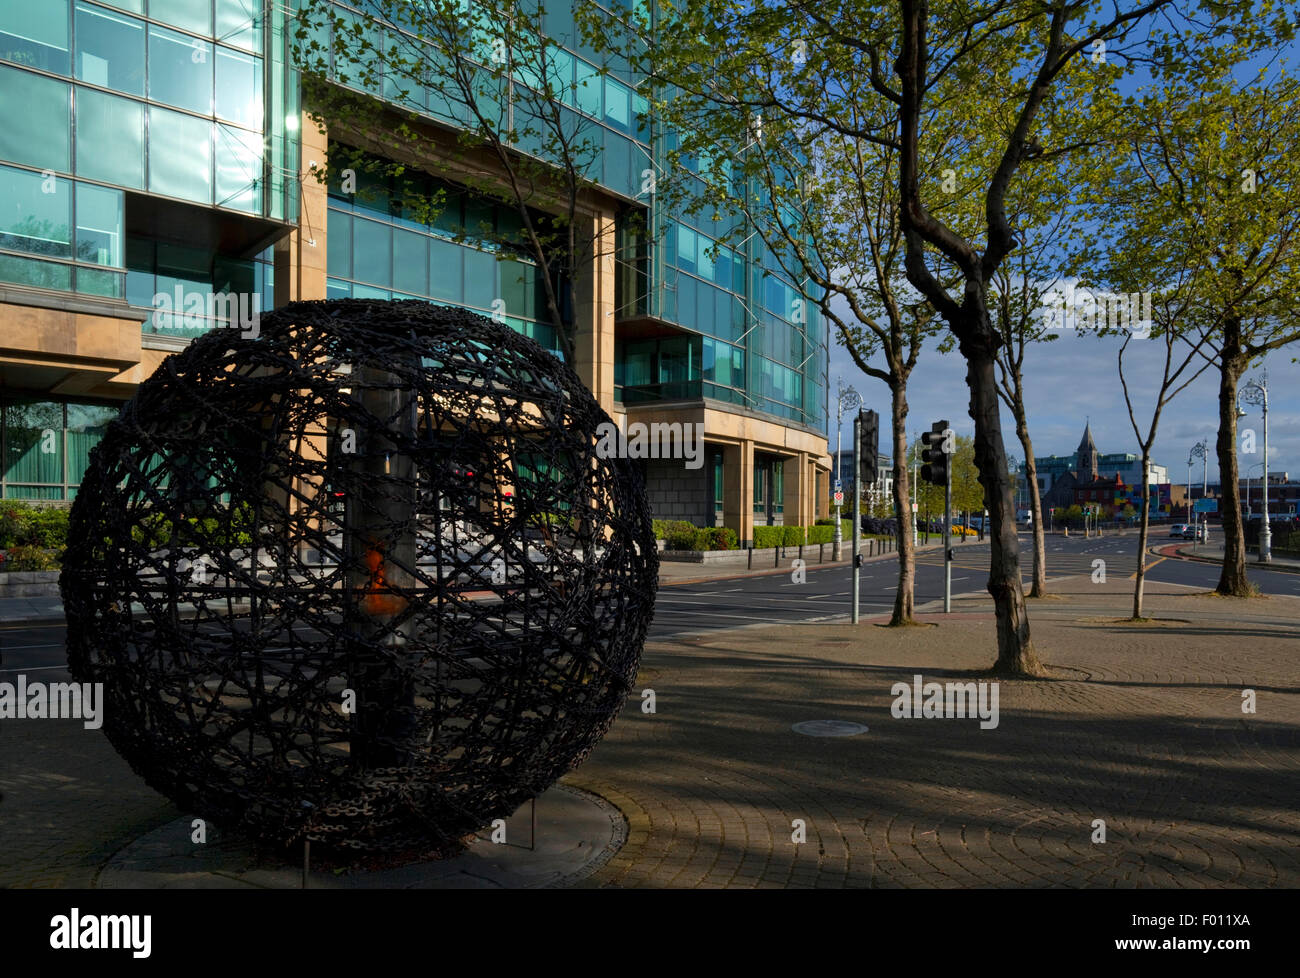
(1086, 456)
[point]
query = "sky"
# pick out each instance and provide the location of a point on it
(1075, 379)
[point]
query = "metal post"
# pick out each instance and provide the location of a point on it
(1265, 531)
(947, 539)
(857, 521)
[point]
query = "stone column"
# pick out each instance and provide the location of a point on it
(594, 316)
(300, 257)
(738, 490)
(796, 504)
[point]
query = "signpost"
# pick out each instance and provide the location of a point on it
(857, 519)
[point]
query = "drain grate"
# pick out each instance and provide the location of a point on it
(829, 728)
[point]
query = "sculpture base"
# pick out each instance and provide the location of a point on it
(577, 832)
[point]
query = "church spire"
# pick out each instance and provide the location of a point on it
(1086, 456)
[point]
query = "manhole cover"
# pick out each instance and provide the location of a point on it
(829, 728)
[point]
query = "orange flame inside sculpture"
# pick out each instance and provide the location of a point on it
(379, 598)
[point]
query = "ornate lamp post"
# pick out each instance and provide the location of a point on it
(847, 399)
(1256, 392)
(1200, 450)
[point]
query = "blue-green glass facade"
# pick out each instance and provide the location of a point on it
(741, 332)
(111, 112)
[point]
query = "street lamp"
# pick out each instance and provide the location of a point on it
(846, 400)
(1256, 392)
(1200, 450)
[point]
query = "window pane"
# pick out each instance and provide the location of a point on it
(337, 290)
(239, 88)
(180, 156)
(35, 33)
(618, 105)
(239, 23)
(38, 274)
(588, 88)
(34, 441)
(239, 169)
(93, 281)
(100, 213)
(34, 115)
(32, 220)
(339, 244)
(110, 50)
(371, 252)
(110, 132)
(86, 426)
(193, 15)
(446, 265)
(480, 278)
(685, 248)
(180, 70)
(410, 262)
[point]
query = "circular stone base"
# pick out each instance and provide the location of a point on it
(577, 832)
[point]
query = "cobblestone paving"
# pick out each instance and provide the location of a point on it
(1139, 725)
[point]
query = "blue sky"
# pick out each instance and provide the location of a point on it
(1075, 378)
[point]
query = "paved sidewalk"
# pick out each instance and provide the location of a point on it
(1139, 725)
(1213, 553)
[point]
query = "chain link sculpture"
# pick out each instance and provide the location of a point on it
(364, 580)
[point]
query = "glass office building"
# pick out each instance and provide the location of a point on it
(160, 148)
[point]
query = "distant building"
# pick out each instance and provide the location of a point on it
(1112, 480)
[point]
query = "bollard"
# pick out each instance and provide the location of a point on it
(750, 565)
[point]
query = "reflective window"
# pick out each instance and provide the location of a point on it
(110, 136)
(371, 252)
(193, 15)
(446, 269)
(180, 70)
(110, 50)
(180, 155)
(100, 213)
(339, 238)
(239, 88)
(87, 424)
(35, 213)
(480, 278)
(618, 105)
(588, 88)
(34, 116)
(239, 169)
(36, 273)
(239, 23)
(34, 442)
(410, 262)
(35, 33)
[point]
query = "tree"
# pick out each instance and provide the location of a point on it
(490, 72)
(1218, 175)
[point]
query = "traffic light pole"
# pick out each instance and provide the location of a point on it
(947, 539)
(857, 520)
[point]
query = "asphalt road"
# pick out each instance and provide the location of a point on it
(725, 603)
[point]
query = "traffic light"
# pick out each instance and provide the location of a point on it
(868, 448)
(935, 469)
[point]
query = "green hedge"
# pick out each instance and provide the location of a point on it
(663, 529)
(24, 558)
(28, 526)
(687, 537)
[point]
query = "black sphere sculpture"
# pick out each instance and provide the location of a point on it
(365, 579)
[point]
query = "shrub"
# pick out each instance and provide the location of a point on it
(22, 525)
(716, 538)
(28, 558)
(680, 539)
(822, 533)
(768, 536)
(664, 529)
(793, 536)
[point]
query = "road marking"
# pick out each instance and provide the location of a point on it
(1133, 576)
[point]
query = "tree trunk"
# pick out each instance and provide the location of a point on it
(1232, 579)
(1016, 654)
(1039, 586)
(904, 599)
(1142, 535)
